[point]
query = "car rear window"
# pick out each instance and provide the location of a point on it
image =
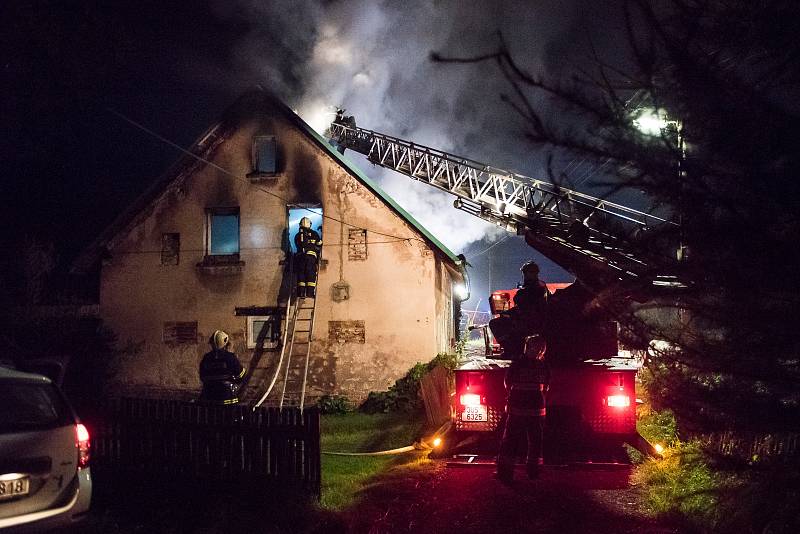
(25, 407)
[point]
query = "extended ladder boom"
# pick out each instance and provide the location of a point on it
(600, 241)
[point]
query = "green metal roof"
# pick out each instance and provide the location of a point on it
(375, 188)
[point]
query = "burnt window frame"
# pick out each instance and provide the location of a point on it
(254, 153)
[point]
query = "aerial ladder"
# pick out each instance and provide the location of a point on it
(601, 242)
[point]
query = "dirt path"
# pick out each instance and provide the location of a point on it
(466, 500)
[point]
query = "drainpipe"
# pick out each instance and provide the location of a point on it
(462, 267)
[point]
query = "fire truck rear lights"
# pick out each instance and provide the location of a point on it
(618, 401)
(470, 399)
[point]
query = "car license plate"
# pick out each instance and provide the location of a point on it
(475, 413)
(14, 487)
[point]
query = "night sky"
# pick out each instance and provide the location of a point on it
(70, 165)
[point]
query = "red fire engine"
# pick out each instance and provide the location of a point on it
(592, 397)
(592, 393)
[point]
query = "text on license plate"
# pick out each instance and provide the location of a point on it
(14, 487)
(475, 413)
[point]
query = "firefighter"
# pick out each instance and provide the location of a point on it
(220, 372)
(527, 382)
(309, 245)
(528, 315)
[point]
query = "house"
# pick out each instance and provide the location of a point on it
(206, 248)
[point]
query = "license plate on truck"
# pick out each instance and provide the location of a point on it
(14, 486)
(475, 413)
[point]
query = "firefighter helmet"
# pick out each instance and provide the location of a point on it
(535, 347)
(220, 340)
(529, 265)
(305, 222)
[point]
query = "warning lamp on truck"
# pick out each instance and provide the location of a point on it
(618, 401)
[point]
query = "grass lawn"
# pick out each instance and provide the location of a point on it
(343, 477)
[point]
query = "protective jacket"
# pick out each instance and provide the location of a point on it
(308, 241)
(220, 373)
(309, 245)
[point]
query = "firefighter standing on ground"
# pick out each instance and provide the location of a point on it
(309, 244)
(527, 382)
(220, 372)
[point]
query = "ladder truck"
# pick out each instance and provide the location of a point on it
(592, 397)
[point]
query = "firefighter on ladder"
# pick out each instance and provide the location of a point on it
(220, 372)
(309, 244)
(527, 382)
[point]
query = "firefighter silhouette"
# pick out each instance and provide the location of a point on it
(527, 381)
(528, 315)
(309, 244)
(220, 372)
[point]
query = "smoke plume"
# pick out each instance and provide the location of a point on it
(372, 58)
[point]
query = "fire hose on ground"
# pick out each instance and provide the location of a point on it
(420, 445)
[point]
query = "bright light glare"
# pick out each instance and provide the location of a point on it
(318, 115)
(470, 399)
(619, 401)
(460, 291)
(82, 432)
(650, 122)
(659, 448)
(437, 442)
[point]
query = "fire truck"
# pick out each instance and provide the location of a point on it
(606, 246)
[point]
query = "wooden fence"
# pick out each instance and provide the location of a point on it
(182, 440)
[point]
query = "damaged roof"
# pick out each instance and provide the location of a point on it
(204, 148)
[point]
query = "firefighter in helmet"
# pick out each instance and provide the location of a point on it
(528, 315)
(527, 382)
(309, 244)
(220, 372)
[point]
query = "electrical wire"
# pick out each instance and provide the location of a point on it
(245, 180)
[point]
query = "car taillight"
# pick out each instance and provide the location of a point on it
(470, 399)
(83, 444)
(618, 401)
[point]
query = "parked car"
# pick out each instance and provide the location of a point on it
(45, 479)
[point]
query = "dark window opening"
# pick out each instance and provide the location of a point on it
(170, 249)
(265, 152)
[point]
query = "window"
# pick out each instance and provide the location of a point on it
(356, 244)
(28, 407)
(263, 327)
(264, 154)
(178, 333)
(170, 249)
(223, 231)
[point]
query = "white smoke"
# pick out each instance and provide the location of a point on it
(372, 58)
